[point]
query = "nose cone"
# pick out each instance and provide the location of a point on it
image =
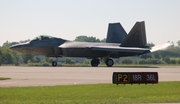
(16, 47)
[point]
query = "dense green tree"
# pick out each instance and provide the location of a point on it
(8, 44)
(167, 60)
(178, 42)
(36, 59)
(157, 55)
(92, 39)
(69, 61)
(86, 61)
(44, 63)
(153, 61)
(145, 56)
(126, 61)
(7, 56)
(17, 58)
(0, 56)
(142, 61)
(150, 44)
(27, 57)
(103, 40)
(24, 41)
(173, 61)
(83, 38)
(178, 61)
(49, 59)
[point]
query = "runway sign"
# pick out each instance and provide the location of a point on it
(134, 77)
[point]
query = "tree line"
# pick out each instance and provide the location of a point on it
(10, 57)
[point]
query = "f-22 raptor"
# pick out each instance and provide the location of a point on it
(118, 44)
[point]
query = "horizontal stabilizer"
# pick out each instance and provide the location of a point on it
(161, 47)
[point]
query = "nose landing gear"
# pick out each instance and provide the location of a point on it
(54, 63)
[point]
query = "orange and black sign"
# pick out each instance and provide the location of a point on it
(134, 77)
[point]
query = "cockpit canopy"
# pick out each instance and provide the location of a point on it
(43, 37)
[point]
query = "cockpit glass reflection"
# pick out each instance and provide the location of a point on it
(43, 37)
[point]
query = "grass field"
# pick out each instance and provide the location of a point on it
(164, 92)
(2, 78)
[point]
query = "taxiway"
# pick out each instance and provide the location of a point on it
(51, 76)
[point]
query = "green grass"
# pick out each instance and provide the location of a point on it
(164, 92)
(3, 78)
(175, 58)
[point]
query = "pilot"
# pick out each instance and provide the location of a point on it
(42, 37)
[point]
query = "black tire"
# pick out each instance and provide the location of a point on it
(94, 62)
(109, 62)
(54, 63)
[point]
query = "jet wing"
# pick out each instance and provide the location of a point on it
(120, 49)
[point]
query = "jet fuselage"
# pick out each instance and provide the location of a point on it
(58, 47)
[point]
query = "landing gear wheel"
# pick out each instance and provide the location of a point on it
(54, 63)
(109, 62)
(94, 62)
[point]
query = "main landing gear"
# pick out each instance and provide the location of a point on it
(109, 62)
(95, 62)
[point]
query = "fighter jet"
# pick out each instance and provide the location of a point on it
(118, 44)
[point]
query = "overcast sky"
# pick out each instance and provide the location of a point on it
(26, 19)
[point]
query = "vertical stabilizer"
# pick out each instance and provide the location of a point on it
(136, 37)
(116, 33)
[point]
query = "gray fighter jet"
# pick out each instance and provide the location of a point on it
(118, 44)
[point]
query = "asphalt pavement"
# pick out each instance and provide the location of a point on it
(51, 76)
